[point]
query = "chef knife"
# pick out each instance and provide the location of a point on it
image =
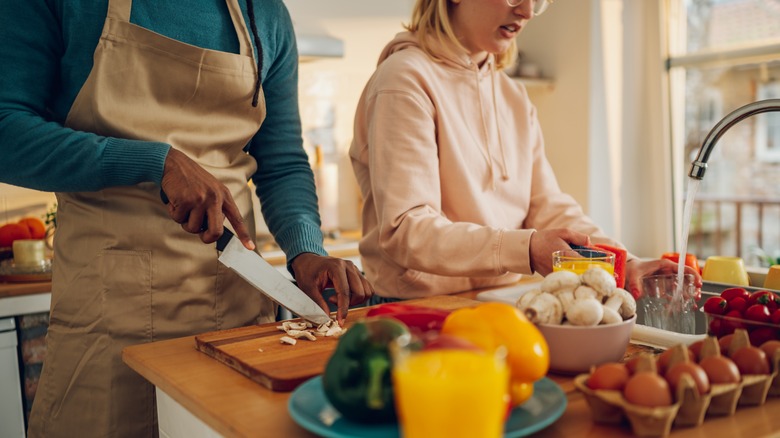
(259, 273)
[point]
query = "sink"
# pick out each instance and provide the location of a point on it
(665, 338)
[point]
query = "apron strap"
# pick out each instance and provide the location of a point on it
(120, 9)
(242, 30)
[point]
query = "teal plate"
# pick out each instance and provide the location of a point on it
(311, 410)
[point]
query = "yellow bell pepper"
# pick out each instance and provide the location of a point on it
(492, 325)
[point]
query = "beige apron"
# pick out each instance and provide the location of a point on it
(124, 272)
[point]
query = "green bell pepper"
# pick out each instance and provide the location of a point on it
(357, 380)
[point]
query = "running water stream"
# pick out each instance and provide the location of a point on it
(682, 248)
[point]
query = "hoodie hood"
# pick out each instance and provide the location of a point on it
(455, 57)
(445, 52)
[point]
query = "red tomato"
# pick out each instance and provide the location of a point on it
(729, 325)
(716, 327)
(761, 335)
(764, 297)
(757, 312)
(735, 292)
(737, 304)
(775, 318)
(715, 305)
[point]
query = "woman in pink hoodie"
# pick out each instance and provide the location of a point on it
(450, 160)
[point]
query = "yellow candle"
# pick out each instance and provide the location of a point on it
(28, 252)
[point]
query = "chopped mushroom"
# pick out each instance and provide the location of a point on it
(305, 329)
(287, 340)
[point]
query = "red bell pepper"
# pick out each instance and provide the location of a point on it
(620, 262)
(418, 318)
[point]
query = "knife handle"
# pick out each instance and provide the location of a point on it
(205, 225)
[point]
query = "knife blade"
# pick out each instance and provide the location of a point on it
(259, 273)
(256, 271)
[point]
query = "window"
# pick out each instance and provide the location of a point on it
(768, 127)
(725, 54)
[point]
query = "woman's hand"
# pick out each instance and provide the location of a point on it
(636, 269)
(196, 196)
(315, 273)
(545, 242)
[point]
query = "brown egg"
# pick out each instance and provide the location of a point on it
(720, 369)
(609, 376)
(647, 389)
(695, 350)
(769, 347)
(724, 342)
(695, 371)
(631, 365)
(751, 360)
(663, 359)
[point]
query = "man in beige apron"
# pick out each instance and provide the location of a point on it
(125, 273)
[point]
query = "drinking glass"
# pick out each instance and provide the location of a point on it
(580, 260)
(450, 392)
(666, 310)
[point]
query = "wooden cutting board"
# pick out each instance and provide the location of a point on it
(256, 351)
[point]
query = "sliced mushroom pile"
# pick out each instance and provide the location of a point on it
(303, 329)
(589, 299)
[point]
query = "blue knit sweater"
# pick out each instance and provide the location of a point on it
(46, 49)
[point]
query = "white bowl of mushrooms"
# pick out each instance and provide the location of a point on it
(586, 319)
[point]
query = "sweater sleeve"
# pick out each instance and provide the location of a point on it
(284, 178)
(37, 151)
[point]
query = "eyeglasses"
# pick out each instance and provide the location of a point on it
(538, 6)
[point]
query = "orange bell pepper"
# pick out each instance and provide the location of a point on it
(494, 325)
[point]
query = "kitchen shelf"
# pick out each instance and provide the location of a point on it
(535, 83)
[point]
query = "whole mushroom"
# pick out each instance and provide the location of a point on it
(622, 302)
(544, 308)
(585, 312)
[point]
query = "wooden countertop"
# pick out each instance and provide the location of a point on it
(8, 289)
(235, 406)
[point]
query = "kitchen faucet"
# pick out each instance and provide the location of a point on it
(699, 165)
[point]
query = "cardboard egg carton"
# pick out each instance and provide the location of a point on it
(690, 408)
(755, 387)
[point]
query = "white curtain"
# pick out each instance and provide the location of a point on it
(630, 184)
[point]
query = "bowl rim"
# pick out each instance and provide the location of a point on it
(592, 327)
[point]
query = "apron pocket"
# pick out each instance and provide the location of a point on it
(127, 294)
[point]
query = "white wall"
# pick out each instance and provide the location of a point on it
(608, 101)
(17, 202)
(365, 26)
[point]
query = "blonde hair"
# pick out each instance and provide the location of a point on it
(431, 19)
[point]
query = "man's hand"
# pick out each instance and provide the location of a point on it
(314, 273)
(545, 242)
(195, 197)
